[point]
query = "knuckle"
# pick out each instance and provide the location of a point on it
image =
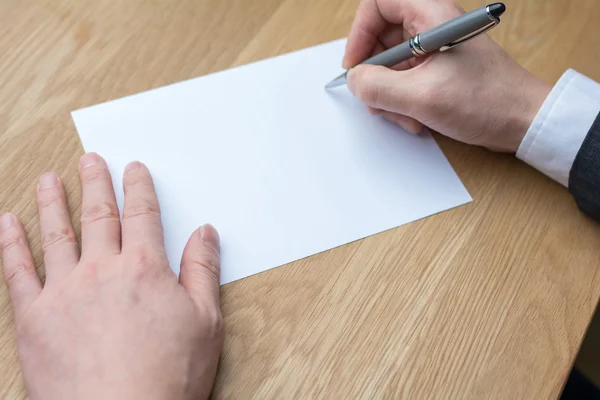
(48, 199)
(144, 262)
(24, 329)
(12, 242)
(98, 211)
(20, 271)
(204, 267)
(139, 177)
(214, 323)
(63, 235)
(27, 328)
(208, 260)
(217, 324)
(142, 208)
(93, 174)
(143, 257)
(90, 273)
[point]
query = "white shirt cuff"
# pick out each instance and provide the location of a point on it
(560, 127)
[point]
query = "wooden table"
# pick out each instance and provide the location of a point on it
(488, 300)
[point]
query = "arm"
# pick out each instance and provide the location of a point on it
(584, 180)
(563, 141)
(477, 94)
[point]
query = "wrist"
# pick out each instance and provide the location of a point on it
(533, 92)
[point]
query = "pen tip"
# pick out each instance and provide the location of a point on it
(340, 80)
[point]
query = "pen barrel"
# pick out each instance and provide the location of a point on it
(391, 57)
(455, 29)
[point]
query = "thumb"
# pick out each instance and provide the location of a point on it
(201, 267)
(383, 88)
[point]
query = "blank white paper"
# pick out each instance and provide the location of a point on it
(282, 168)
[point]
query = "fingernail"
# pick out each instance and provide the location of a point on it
(88, 159)
(6, 221)
(210, 236)
(48, 180)
(133, 166)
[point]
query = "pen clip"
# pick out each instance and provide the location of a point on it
(471, 35)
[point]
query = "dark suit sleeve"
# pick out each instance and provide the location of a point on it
(584, 178)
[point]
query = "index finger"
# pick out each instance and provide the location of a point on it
(372, 17)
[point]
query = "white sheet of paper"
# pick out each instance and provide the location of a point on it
(281, 167)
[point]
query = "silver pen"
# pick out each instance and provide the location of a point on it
(440, 38)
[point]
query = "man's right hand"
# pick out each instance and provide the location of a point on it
(474, 93)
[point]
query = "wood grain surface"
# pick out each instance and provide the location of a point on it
(489, 300)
